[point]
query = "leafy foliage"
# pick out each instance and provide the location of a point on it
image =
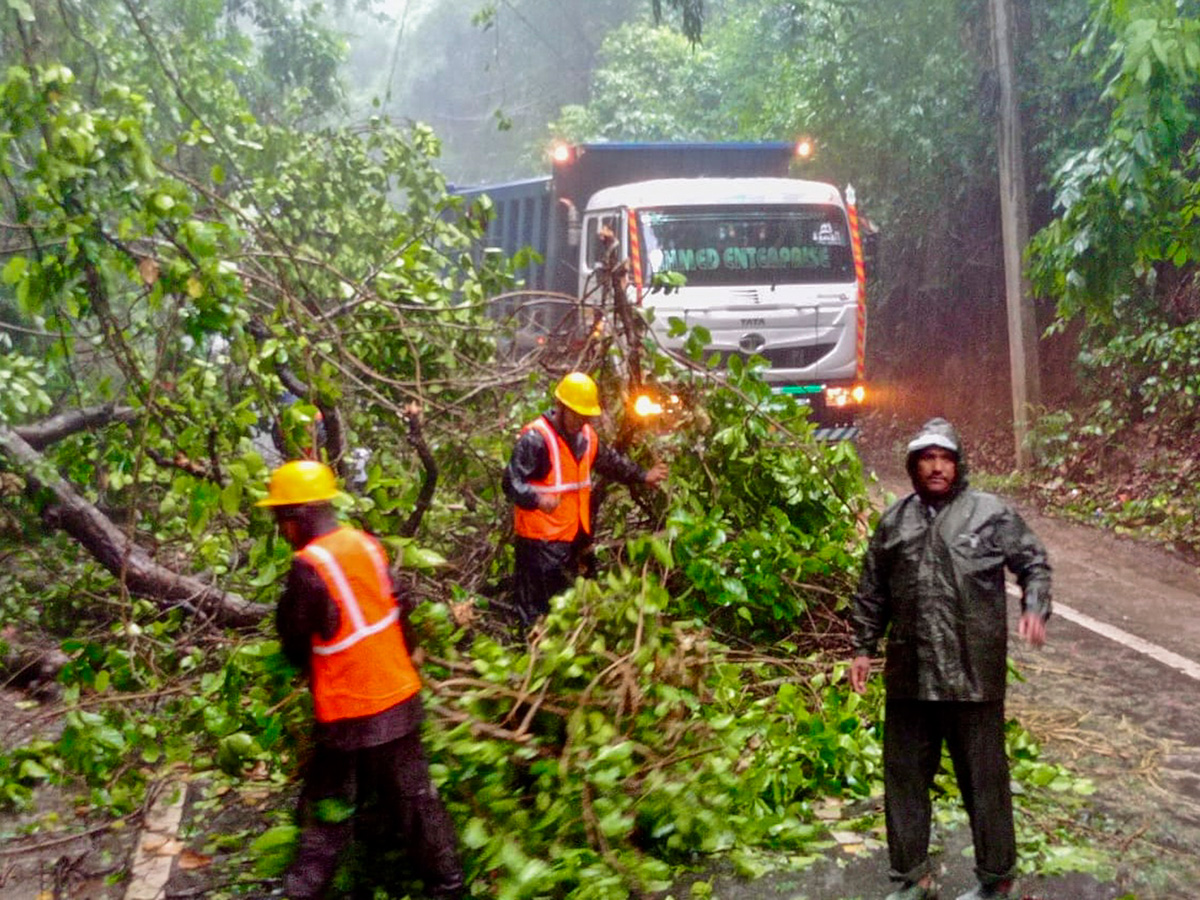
(220, 713)
(764, 526)
(1121, 259)
(1122, 255)
(630, 750)
(1129, 203)
(187, 234)
(180, 265)
(651, 85)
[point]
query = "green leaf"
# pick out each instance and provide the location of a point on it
(615, 824)
(422, 558)
(15, 269)
(274, 850)
(231, 498)
(1144, 70)
(23, 10)
(475, 835)
(661, 552)
(30, 770)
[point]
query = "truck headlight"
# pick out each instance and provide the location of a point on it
(841, 397)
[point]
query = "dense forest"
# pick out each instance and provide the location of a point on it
(228, 236)
(904, 105)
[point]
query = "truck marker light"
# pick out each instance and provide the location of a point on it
(561, 153)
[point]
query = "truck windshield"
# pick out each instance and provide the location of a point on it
(735, 245)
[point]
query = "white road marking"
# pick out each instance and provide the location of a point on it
(157, 849)
(1132, 641)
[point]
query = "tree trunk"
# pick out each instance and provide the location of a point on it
(110, 547)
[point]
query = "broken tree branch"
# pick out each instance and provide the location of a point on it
(46, 432)
(109, 546)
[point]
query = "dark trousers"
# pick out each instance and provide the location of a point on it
(913, 733)
(544, 568)
(395, 776)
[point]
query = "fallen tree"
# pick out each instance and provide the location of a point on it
(113, 548)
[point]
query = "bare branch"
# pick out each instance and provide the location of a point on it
(412, 415)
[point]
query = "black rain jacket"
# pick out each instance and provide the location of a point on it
(933, 582)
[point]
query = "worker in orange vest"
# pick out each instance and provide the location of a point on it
(342, 620)
(549, 481)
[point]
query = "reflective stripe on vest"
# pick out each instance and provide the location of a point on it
(558, 448)
(570, 479)
(364, 668)
(349, 603)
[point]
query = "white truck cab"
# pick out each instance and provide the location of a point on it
(769, 268)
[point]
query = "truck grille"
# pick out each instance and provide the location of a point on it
(787, 357)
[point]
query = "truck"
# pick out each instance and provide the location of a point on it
(772, 264)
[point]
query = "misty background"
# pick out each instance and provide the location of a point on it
(488, 78)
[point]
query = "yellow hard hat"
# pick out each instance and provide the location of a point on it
(577, 391)
(300, 481)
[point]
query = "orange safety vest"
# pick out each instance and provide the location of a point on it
(571, 479)
(365, 667)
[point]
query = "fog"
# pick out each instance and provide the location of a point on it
(487, 85)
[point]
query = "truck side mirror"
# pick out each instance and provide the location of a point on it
(573, 227)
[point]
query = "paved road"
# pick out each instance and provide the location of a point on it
(1120, 694)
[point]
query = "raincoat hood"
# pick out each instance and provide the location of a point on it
(937, 433)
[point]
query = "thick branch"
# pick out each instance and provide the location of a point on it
(120, 556)
(46, 432)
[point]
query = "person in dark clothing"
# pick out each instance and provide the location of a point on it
(548, 479)
(933, 582)
(341, 621)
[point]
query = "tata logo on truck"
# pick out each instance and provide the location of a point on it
(752, 343)
(754, 322)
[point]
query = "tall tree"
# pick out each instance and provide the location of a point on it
(1123, 253)
(174, 261)
(900, 100)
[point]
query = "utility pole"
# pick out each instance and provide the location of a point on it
(1014, 227)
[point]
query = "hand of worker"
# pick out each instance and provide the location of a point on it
(860, 671)
(657, 473)
(1032, 628)
(548, 502)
